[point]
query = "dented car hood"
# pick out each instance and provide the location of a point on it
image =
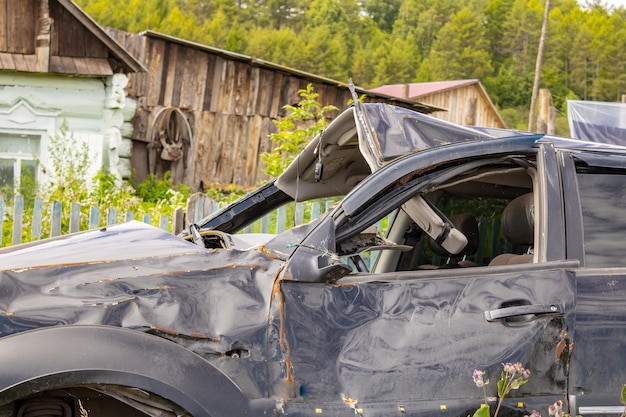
(131, 275)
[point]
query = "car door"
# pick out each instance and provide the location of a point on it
(595, 186)
(408, 342)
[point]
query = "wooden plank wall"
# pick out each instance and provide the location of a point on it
(457, 100)
(72, 39)
(73, 48)
(17, 35)
(230, 104)
(18, 21)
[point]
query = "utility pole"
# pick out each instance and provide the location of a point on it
(542, 42)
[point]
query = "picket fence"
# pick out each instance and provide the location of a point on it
(198, 206)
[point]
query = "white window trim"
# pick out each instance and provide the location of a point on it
(24, 119)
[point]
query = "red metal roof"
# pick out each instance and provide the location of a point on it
(416, 90)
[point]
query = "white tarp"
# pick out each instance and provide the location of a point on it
(597, 121)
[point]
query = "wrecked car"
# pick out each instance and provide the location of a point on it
(449, 249)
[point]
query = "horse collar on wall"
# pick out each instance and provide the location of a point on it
(170, 138)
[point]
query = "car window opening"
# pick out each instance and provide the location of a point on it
(482, 218)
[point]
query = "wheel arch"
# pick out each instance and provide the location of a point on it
(54, 357)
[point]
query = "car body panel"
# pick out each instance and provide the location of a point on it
(179, 376)
(373, 331)
(601, 284)
(165, 292)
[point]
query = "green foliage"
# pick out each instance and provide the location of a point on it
(382, 42)
(68, 173)
(515, 117)
(383, 12)
(304, 121)
(508, 89)
(226, 194)
(461, 50)
(324, 53)
(154, 189)
(28, 185)
(396, 61)
(482, 412)
(278, 46)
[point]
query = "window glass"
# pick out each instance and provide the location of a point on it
(603, 201)
(27, 145)
(18, 156)
(7, 168)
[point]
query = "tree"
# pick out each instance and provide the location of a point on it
(596, 42)
(302, 124)
(521, 34)
(508, 89)
(496, 13)
(396, 62)
(217, 31)
(540, 49)
(323, 53)
(178, 24)
(279, 46)
(326, 40)
(279, 14)
(383, 12)
(422, 20)
(565, 18)
(461, 50)
(363, 69)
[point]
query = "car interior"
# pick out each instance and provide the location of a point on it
(491, 211)
(476, 216)
(482, 216)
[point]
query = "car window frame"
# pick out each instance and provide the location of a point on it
(549, 227)
(571, 159)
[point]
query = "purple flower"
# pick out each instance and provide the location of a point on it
(478, 378)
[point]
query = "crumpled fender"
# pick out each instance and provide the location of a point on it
(53, 357)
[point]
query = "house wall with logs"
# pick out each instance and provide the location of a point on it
(229, 100)
(57, 66)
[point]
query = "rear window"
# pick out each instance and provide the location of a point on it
(603, 203)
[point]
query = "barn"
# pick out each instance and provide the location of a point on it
(466, 102)
(205, 114)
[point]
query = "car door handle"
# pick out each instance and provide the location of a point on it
(522, 310)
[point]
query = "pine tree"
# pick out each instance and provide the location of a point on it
(461, 50)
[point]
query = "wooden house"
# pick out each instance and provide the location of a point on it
(57, 66)
(466, 102)
(205, 113)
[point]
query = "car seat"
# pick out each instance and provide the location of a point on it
(468, 225)
(518, 227)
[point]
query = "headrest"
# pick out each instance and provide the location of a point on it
(466, 224)
(518, 220)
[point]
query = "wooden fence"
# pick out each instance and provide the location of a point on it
(62, 220)
(198, 206)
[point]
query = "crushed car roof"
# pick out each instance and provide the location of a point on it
(367, 136)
